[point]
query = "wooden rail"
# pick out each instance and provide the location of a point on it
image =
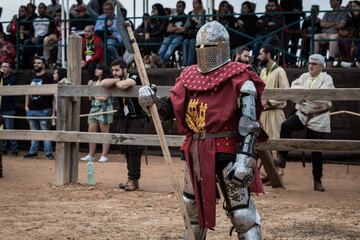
(336, 94)
(176, 140)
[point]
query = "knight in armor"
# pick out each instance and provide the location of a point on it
(217, 106)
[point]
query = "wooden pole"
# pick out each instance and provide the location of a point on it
(68, 112)
(270, 168)
(160, 132)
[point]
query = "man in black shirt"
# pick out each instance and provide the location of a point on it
(39, 106)
(131, 120)
(7, 105)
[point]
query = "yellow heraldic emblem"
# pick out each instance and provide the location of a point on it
(195, 115)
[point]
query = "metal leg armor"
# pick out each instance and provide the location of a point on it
(189, 199)
(240, 209)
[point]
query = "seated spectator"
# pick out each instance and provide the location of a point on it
(82, 20)
(126, 56)
(7, 50)
(331, 23)
(266, 24)
(52, 43)
(7, 106)
(53, 8)
(95, 8)
(92, 51)
(105, 28)
(140, 33)
(311, 26)
(175, 31)
(223, 16)
(347, 47)
(195, 19)
(158, 25)
(293, 32)
(103, 121)
(74, 9)
(30, 11)
(43, 26)
(20, 24)
(246, 24)
(356, 32)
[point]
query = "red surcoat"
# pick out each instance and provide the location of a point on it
(209, 103)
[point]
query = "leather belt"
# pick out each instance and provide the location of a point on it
(195, 152)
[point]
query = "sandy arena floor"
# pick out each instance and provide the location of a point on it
(31, 207)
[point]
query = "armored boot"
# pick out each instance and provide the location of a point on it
(253, 234)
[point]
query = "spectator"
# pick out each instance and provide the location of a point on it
(227, 19)
(21, 22)
(273, 76)
(331, 23)
(266, 24)
(53, 8)
(7, 106)
(242, 55)
(246, 23)
(356, 31)
(30, 10)
(196, 18)
(39, 106)
(311, 26)
(7, 50)
(105, 28)
(158, 25)
(82, 19)
(75, 8)
(140, 33)
(293, 32)
(103, 121)
(127, 57)
(43, 26)
(175, 31)
(132, 120)
(347, 47)
(95, 8)
(311, 116)
(92, 51)
(52, 43)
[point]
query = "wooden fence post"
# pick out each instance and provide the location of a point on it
(68, 110)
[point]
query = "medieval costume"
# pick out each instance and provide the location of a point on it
(273, 114)
(217, 104)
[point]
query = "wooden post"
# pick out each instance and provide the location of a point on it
(66, 165)
(270, 168)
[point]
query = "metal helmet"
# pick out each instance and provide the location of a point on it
(212, 47)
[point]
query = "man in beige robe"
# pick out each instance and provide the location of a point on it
(311, 116)
(274, 76)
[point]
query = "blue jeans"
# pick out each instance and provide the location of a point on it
(189, 53)
(112, 45)
(9, 124)
(36, 124)
(169, 45)
(357, 55)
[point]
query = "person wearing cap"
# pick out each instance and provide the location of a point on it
(311, 116)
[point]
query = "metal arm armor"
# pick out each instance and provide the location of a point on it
(248, 126)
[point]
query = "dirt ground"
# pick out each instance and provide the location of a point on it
(31, 207)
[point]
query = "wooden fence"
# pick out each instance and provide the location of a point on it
(68, 136)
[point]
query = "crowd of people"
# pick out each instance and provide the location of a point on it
(167, 36)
